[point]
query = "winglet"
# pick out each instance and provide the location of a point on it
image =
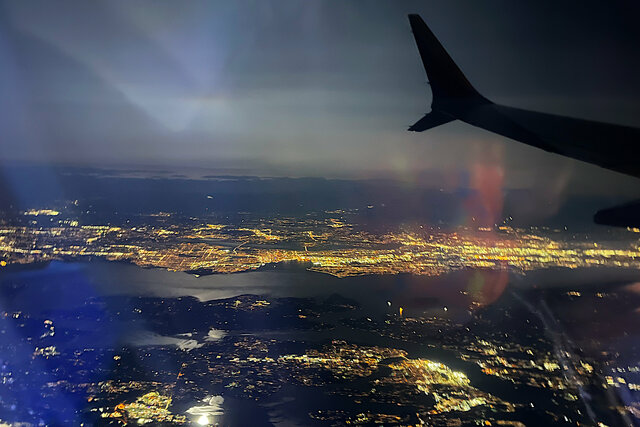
(446, 79)
(430, 120)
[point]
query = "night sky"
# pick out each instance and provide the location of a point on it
(309, 88)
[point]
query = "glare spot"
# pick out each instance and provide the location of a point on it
(203, 420)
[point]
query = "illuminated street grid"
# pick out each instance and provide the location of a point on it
(328, 244)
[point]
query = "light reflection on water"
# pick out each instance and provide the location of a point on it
(65, 285)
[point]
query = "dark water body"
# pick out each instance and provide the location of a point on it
(68, 283)
(68, 286)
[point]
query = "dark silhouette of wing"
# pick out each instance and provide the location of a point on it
(430, 120)
(446, 79)
(610, 146)
(627, 215)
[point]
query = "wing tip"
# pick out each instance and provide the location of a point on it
(415, 21)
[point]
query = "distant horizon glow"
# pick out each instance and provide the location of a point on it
(289, 89)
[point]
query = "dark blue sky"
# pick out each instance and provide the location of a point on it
(317, 88)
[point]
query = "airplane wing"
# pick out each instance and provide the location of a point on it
(626, 215)
(430, 120)
(610, 146)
